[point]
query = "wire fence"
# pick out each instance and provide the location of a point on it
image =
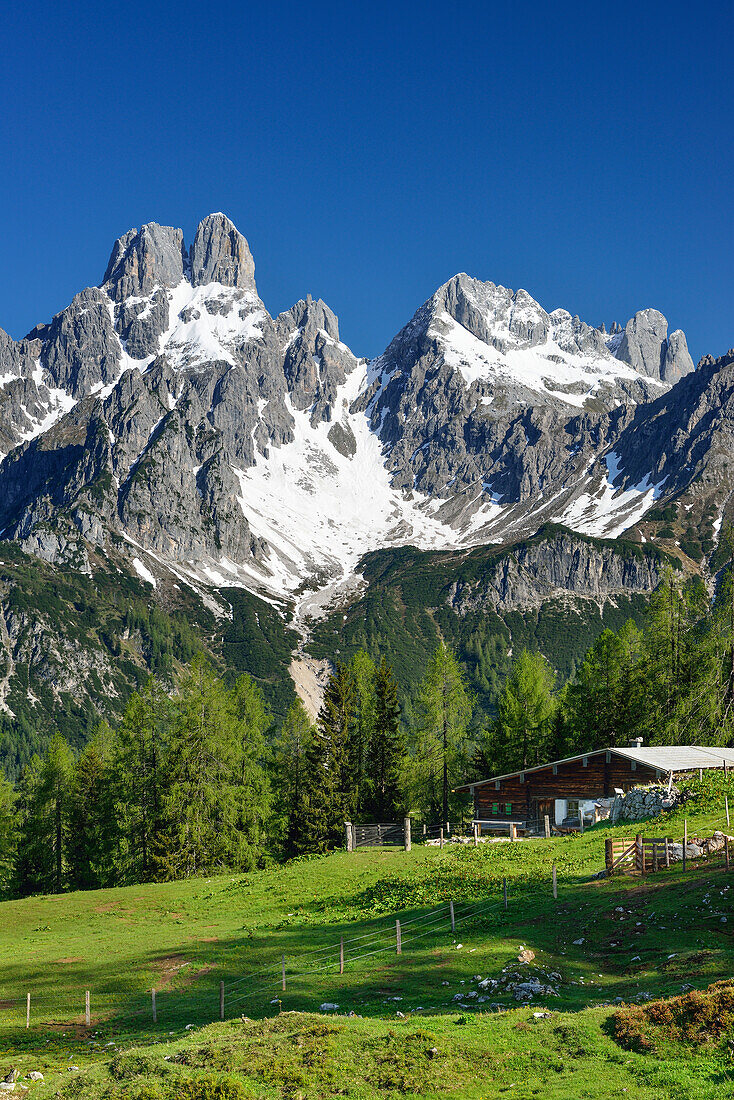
(97, 1014)
(294, 977)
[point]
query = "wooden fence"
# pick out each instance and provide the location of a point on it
(645, 855)
(402, 833)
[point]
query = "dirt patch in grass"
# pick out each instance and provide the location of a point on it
(70, 959)
(177, 967)
(693, 1018)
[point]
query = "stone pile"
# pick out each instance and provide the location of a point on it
(643, 802)
(700, 846)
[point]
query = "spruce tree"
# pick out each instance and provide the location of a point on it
(361, 730)
(329, 787)
(140, 775)
(385, 750)
(290, 758)
(92, 825)
(32, 872)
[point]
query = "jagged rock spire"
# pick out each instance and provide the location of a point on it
(220, 254)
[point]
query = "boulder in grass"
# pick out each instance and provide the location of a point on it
(328, 1006)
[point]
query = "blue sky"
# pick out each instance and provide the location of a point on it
(368, 152)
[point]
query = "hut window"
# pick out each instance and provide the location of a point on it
(495, 807)
(508, 808)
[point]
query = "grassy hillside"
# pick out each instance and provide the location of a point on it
(601, 941)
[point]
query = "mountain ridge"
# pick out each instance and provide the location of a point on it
(500, 476)
(172, 411)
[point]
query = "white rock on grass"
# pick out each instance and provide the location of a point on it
(328, 1006)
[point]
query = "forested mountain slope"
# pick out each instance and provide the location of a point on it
(167, 441)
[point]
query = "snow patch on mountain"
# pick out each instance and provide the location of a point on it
(544, 368)
(331, 508)
(607, 511)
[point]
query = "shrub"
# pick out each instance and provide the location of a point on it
(211, 1088)
(693, 1018)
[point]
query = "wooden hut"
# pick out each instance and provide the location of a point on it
(582, 788)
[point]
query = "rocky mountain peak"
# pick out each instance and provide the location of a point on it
(645, 346)
(145, 258)
(494, 314)
(220, 254)
(310, 316)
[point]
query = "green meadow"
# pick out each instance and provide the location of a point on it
(416, 1023)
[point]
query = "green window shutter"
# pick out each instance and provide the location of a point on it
(495, 807)
(508, 807)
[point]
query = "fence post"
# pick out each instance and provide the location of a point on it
(424, 830)
(504, 890)
(726, 854)
(581, 820)
(87, 1009)
(667, 852)
(475, 830)
(341, 954)
(398, 941)
(609, 854)
(221, 1000)
(154, 1010)
(513, 831)
(546, 822)
(654, 856)
(28, 1010)
(406, 832)
(448, 828)
(348, 830)
(555, 882)
(685, 840)
(451, 911)
(282, 967)
(726, 803)
(440, 838)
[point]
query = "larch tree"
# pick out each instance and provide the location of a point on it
(8, 835)
(203, 804)
(444, 711)
(525, 709)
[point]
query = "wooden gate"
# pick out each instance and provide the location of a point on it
(641, 854)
